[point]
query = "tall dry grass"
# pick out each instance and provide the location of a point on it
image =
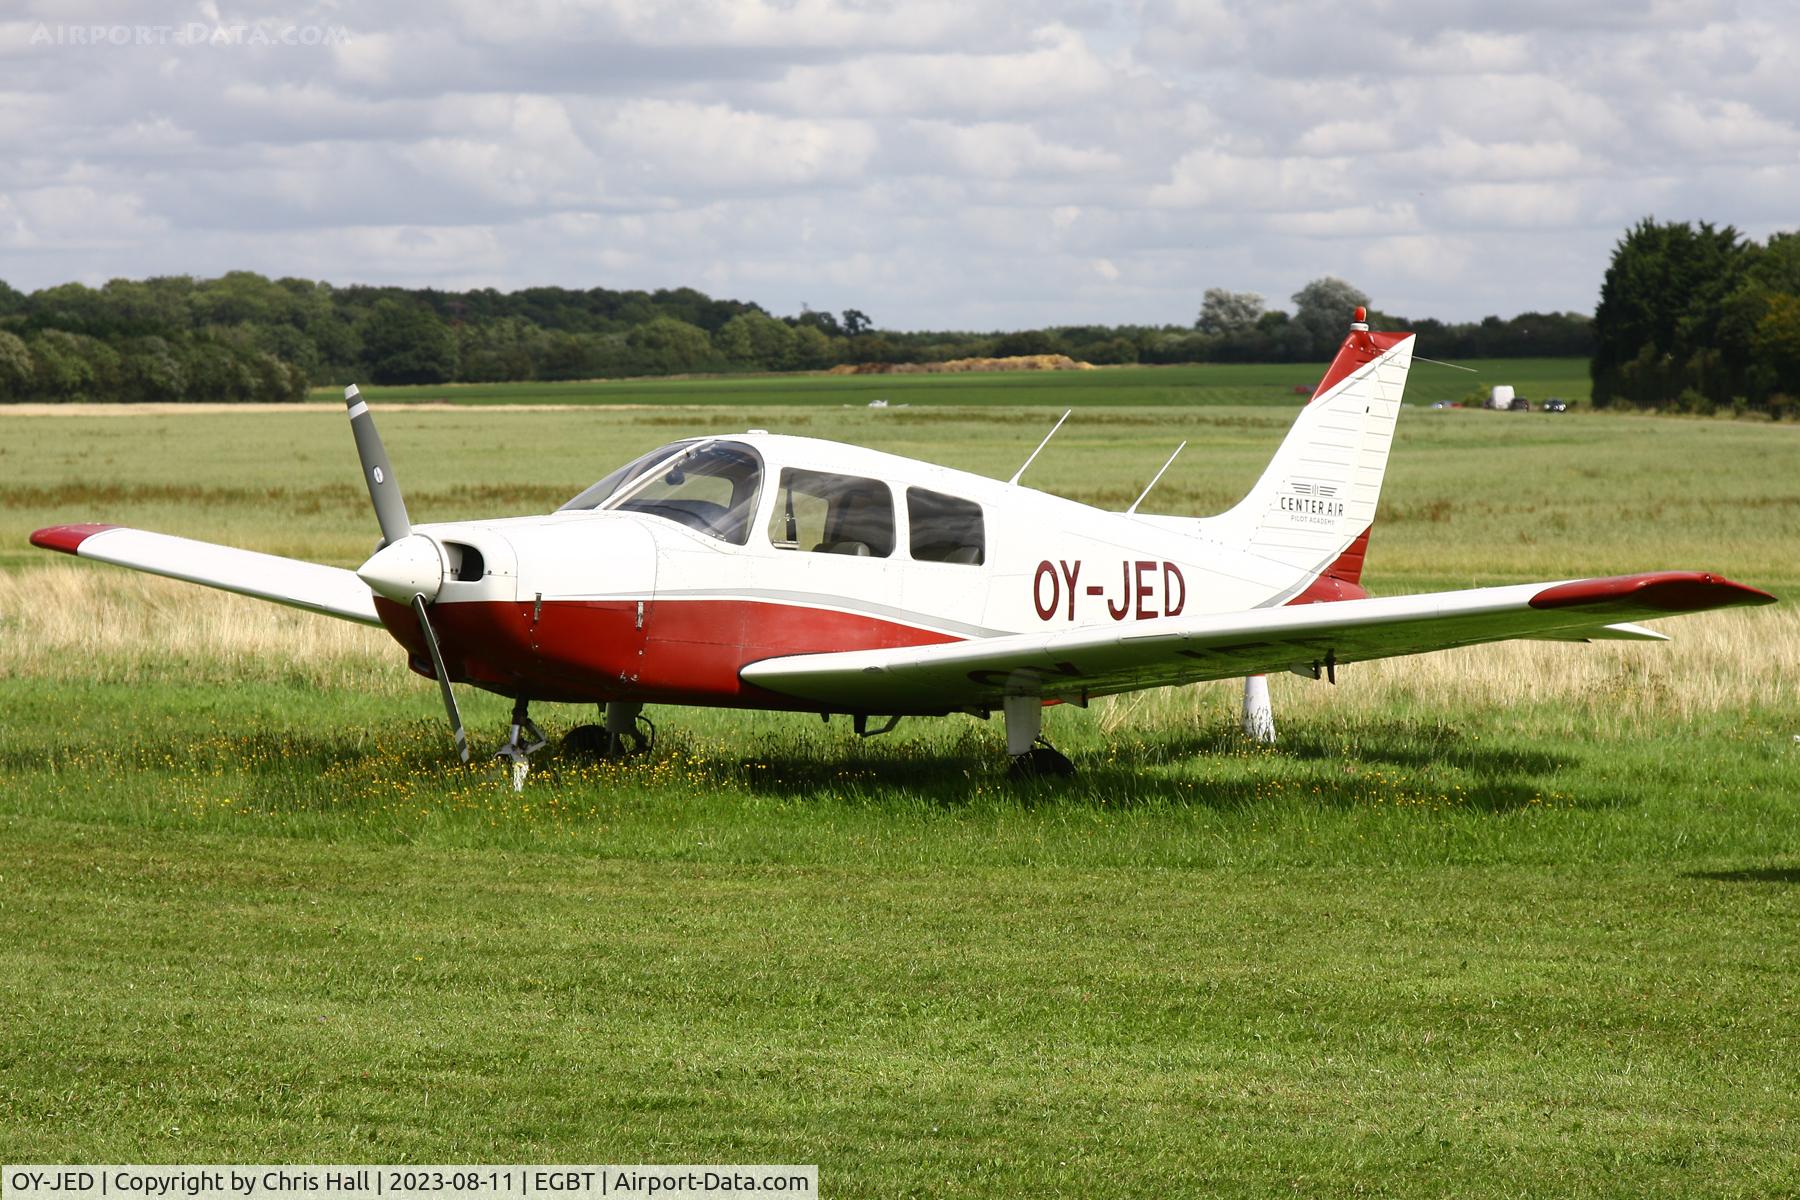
(69, 622)
(1716, 663)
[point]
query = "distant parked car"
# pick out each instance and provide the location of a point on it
(1555, 405)
(1519, 404)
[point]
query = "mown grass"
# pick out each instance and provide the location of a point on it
(1515, 920)
(1204, 384)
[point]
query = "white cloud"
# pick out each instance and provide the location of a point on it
(938, 163)
(718, 148)
(1007, 150)
(1512, 205)
(1057, 70)
(1238, 183)
(78, 217)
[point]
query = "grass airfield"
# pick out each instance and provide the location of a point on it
(1516, 919)
(1136, 386)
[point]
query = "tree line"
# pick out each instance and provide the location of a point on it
(243, 337)
(1698, 318)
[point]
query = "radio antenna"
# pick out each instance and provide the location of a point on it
(1041, 445)
(1453, 366)
(1155, 478)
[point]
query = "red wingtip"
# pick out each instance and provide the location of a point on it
(1661, 591)
(67, 538)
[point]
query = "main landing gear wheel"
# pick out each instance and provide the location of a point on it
(626, 734)
(1042, 761)
(592, 741)
(1032, 757)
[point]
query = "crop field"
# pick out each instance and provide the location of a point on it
(1212, 383)
(1516, 920)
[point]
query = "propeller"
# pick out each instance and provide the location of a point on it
(407, 567)
(384, 493)
(443, 679)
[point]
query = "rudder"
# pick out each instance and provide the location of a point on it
(1314, 506)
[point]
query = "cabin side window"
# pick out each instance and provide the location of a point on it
(944, 528)
(833, 514)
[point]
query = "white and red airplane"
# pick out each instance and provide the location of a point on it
(763, 571)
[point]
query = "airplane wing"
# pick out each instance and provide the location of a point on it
(1076, 664)
(332, 591)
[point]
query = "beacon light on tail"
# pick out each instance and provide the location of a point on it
(762, 571)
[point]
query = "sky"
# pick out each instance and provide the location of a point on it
(938, 164)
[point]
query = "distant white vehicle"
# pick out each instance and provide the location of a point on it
(1501, 399)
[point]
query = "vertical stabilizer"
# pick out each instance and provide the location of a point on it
(1313, 507)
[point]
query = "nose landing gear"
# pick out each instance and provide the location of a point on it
(516, 752)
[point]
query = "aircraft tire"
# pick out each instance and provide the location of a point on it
(1041, 762)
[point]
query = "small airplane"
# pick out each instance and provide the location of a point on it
(764, 571)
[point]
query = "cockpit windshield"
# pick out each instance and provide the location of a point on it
(599, 493)
(710, 486)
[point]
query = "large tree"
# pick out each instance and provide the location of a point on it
(1662, 304)
(1224, 313)
(153, 372)
(15, 367)
(406, 343)
(1322, 312)
(1776, 344)
(667, 344)
(756, 339)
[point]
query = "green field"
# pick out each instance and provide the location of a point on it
(1517, 920)
(1219, 383)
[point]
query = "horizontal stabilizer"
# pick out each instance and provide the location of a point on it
(332, 591)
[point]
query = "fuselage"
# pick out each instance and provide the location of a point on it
(664, 589)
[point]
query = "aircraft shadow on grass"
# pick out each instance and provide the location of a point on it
(1788, 875)
(1130, 776)
(1395, 743)
(955, 772)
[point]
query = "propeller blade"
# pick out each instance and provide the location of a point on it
(384, 492)
(443, 677)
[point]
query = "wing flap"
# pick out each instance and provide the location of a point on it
(1624, 631)
(315, 587)
(1090, 661)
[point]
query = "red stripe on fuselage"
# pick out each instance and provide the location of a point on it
(684, 651)
(67, 538)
